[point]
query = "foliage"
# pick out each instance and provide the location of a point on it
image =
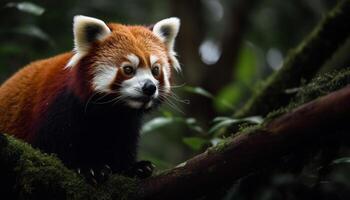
(38, 29)
(27, 7)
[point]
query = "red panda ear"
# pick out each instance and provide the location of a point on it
(167, 30)
(87, 30)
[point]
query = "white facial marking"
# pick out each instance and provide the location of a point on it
(149, 104)
(153, 59)
(133, 87)
(104, 77)
(74, 60)
(134, 104)
(166, 74)
(135, 61)
(175, 62)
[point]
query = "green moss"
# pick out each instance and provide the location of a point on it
(117, 187)
(222, 145)
(28, 173)
(321, 85)
(274, 114)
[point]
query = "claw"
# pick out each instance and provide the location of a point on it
(108, 167)
(107, 170)
(149, 168)
(92, 172)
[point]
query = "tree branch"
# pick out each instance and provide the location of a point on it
(251, 150)
(303, 62)
(28, 173)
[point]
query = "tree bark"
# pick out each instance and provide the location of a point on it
(251, 150)
(303, 62)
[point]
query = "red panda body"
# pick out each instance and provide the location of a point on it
(87, 106)
(27, 95)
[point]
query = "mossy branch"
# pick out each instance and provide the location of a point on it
(303, 62)
(251, 150)
(28, 174)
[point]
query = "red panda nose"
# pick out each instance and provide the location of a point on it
(149, 88)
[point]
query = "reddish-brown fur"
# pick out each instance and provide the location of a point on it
(25, 97)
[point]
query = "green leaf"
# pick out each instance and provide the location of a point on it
(225, 122)
(155, 124)
(219, 119)
(222, 124)
(247, 64)
(159, 122)
(214, 141)
(27, 7)
(167, 114)
(196, 143)
(33, 31)
(192, 124)
(345, 160)
(254, 119)
(228, 97)
(199, 91)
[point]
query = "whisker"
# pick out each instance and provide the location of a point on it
(184, 101)
(137, 89)
(88, 101)
(178, 86)
(105, 102)
(120, 98)
(171, 104)
(174, 96)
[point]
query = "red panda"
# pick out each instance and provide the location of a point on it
(86, 106)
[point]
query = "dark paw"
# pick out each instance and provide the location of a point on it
(95, 176)
(141, 169)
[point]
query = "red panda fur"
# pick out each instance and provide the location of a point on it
(24, 97)
(37, 103)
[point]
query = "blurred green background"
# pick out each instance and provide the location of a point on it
(225, 47)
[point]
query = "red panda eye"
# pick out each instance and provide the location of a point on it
(128, 70)
(155, 71)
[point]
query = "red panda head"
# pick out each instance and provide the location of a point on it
(132, 63)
